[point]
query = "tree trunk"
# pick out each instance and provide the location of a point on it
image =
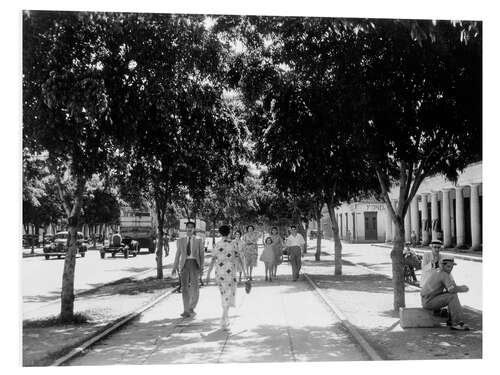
(336, 239)
(159, 254)
(213, 233)
(67, 293)
(317, 256)
(398, 265)
(306, 227)
(94, 236)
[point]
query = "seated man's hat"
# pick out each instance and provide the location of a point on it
(447, 259)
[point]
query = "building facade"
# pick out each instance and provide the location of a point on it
(441, 209)
(362, 221)
(451, 212)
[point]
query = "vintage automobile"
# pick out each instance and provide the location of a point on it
(59, 245)
(313, 234)
(117, 245)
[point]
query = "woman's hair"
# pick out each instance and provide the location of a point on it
(237, 231)
(268, 239)
(274, 228)
(224, 230)
(250, 226)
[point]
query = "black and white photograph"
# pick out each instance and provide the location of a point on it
(201, 187)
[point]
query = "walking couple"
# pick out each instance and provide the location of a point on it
(189, 260)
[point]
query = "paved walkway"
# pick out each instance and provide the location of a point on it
(276, 322)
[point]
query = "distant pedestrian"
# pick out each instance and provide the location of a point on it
(251, 238)
(268, 258)
(189, 260)
(413, 238)
(294, 244)
(225, 258)
(277, 249)
(430, 260)
(240, 245)
(440, 290)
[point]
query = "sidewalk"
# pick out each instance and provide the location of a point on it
(276, 322)
(366, 298)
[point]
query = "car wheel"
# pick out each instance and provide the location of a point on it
(58, 257)
(125, 253)
(151, 250)
(47, 257)
(82, 254)
(102, 255)
(113, 254)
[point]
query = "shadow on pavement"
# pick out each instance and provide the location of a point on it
(163, 342)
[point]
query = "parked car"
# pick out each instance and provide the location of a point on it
(59, 245)
(30, 240)
(117, 245)
(314, 234)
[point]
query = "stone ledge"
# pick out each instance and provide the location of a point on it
(418, 317)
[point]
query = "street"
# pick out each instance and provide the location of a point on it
(42, 278)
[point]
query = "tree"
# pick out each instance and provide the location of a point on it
(185, 131)
(421, 111)
(298, 117)
(101, 207)
(71, 110)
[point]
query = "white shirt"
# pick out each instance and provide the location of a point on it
(296, 240)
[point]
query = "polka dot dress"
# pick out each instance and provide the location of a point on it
(226, 254)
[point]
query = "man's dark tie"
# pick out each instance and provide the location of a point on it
(188, 249)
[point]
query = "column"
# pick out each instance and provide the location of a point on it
(415, 225)
(408, 224)
(460, 219)
(434, 214)
(446, 218)
(475, 219)
(388, 226)
(425, 219)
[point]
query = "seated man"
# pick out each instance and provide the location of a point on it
(439, 290)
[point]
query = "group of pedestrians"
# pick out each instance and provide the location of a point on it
(231, 257)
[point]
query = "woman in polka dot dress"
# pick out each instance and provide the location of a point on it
(225, 258)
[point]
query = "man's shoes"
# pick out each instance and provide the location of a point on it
(459, 327)
(449, 323)
(185, 314)
(192, 314)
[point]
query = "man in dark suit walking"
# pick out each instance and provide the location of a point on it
(189, 259)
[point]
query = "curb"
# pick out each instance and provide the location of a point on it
(118, 323)
(455, 255)
(28, 255)
(374, 356)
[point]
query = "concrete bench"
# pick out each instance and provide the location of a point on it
(418, 317)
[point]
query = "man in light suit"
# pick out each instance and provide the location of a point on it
(189, 259)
